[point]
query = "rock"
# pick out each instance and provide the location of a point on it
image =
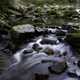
(3, 45)
(67, 27)
(5, 38)
(25, 28)
(64, 53)
(3, 61)
(36, 47)
(58, 67)
(78, 63)
(8, 52)
(48, 41)
(69, 78)
(71, 27)
(48, 51)
(41, 77)
(72, 71)
(60, 33)
(78, 72)
(72, 74)
(74, 40)
(27, 51)
(26, 54)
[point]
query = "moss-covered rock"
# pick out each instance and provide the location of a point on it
(74, 40)
(48, 51)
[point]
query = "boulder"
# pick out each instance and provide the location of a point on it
(74, 40)
(68, 27)
(24, 33)
(60, 33)
(25, 28)
(58, 67)
(48, 41)
(71, 27)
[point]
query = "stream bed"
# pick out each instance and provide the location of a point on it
(45, 57)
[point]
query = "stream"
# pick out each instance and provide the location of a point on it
(45, 57)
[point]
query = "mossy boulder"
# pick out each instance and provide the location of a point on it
(74, 40)
(58, 67)
(25, 28)
(48, 51)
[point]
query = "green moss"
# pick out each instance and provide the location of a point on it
(76, 35)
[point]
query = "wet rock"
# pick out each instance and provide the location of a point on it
(78, 72)
(26, 54)
(48, 41)
(3, 45)
(48, 51)
(65, 53)
(38, 29)
(41, 77)
(60, 33)
(25, 28)
(72, 71)
(67, 27)
(69, 78)
(36, 47)
(74, 40)
(58, 67)
(52, 30)
(61, 39)
(71, 27)
(72, 74)
(4, 38)
(8, 52)
(78, 64)
(27, 51)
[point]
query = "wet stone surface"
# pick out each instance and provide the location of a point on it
(58, 67)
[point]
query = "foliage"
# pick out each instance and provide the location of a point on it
(42, 13)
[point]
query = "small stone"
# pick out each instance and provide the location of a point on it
(41, 77)
(27, 51)
(36, 47)
(48, 51)
(65, 53)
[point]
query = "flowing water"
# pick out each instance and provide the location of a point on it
(28, 61)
